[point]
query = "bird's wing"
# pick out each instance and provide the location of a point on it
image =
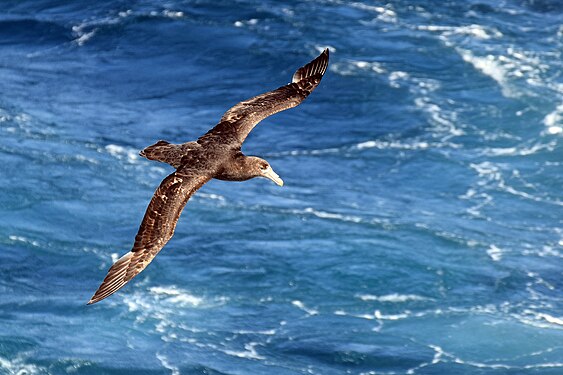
(238, 121)
(156, 229)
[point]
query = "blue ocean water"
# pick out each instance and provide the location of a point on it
(420, 230)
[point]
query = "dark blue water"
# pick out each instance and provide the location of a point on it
(420, 230)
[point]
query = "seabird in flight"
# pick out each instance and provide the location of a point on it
(217, 154)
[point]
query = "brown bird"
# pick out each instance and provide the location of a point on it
(217, 154)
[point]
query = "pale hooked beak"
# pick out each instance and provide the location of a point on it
(271, 175)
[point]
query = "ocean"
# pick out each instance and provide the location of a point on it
(419, 231)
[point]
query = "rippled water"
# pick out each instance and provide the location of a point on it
(419, 231)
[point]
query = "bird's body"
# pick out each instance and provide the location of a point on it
(217, 154)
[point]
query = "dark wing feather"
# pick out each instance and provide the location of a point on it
(156, 229)
(169, 153)
(239, 121)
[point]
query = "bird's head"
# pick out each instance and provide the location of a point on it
(262, 168)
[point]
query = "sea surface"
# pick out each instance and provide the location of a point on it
(419, 231)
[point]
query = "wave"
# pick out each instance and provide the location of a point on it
(123, 153)
(175, 295)
(300, 305)
(23, 239)
(495, 253)
(249, 352)
(385, 14)
(357, 68)
(477, 31)
(520, 150)
(19, 366)
(86, 30)
(393, 298)
(554, 121)
(491, 178)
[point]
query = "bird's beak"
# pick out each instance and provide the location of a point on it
(271, 175)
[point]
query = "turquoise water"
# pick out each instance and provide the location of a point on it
(419, 231)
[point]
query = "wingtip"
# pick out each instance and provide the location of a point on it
(316, 66)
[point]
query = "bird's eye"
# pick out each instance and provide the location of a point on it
(264, 167)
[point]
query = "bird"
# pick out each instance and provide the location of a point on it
(217, 154)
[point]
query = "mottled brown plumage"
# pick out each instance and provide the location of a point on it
(217, 154)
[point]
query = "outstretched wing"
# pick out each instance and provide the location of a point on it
(239, 121)
(156, 229)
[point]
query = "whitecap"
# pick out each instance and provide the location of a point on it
(268, 332)
(249, 352)
(250, 22)
(172, 14)
(329, 215)
(554, 121)
(83, 38)
(357, 68)
(175, 295)
(442, 120)
(519, 150)
(385, 14)
(380, 316)
(489, 66)
(24, 240)
(17, 366)
(167, 365)
(495, 253)
(477, 31)
(396, 76)
(393, 298)
(382, 145)
(211, 196)
(551, 319)
(123, 153)
(302, 306)
(321, 48)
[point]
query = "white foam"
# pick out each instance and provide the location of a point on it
(441, 120)
(249, 353)
(268, 332)
(123, 153)
(394, 77)
(385, 14)
(18, 367)
(24, 240)
(365, 65)
(166, 364)
(83, 38)
(393, 298)
(554, 121)
(551, 319)
(211, 196)
(126, 13)
(321, 48)
(176, 295)
(357, 68)
(382, 145)
(380, 316)
(489, 66)
(251, 22)
(329, 215)
(476, 31)
(172, 14)
(302, 306)
(495, 253)
(519, 150)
